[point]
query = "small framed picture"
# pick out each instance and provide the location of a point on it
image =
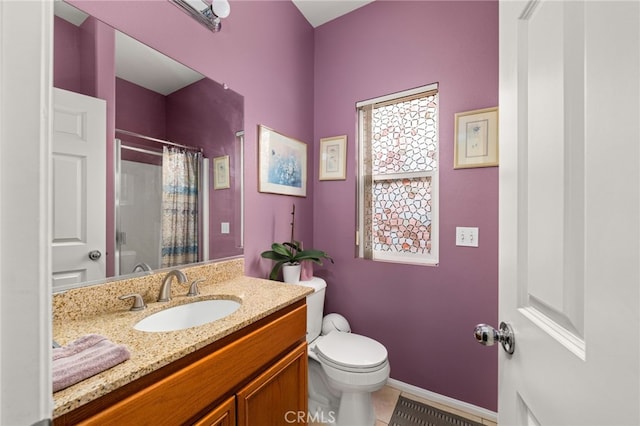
(476, 138)
(221, 172)
(333, 156)
(282, 163)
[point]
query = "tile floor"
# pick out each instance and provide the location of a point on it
(384, 401)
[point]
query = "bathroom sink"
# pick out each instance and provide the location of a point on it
(188, 315)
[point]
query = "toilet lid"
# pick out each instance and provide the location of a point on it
(351, 350)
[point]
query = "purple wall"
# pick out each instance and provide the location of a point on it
(423, 315)
(208, 116)
(140, 110)
(66, 44)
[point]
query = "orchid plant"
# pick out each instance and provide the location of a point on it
(291, 252)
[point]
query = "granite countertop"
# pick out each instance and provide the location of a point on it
(151, 351)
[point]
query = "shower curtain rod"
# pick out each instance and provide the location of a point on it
(142, 150)
(149, 138)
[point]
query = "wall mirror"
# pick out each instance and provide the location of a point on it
(156, 117)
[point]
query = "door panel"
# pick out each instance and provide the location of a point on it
(551, 287)
(569, 208)
(79, 188)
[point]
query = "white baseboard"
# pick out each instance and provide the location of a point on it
(435, 397)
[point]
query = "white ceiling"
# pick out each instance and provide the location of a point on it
(319, 12)
(138, 63)
(69, 13)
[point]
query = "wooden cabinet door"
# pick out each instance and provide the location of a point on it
(223, 415)
(279, 395)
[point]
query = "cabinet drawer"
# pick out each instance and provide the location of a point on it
(178, 397)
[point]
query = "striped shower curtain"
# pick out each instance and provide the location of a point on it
(180, 172)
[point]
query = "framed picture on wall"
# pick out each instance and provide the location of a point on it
(221, 173)
(476, 138)
(333, 156)
(282, 163)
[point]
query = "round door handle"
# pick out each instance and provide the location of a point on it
(488, 336)
(95, 255)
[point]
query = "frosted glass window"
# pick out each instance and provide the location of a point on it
(398, 142)
(405, 136)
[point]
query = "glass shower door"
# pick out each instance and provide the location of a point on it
(138, 212)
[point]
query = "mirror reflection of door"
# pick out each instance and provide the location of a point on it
(78, 159)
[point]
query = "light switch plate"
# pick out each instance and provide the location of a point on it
(224, 227)
(466, 236)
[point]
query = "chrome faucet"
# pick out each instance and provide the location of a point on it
(141, 267)
(165, 289)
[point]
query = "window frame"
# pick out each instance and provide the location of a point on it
(431, 259)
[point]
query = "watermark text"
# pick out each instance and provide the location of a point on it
(302, 417)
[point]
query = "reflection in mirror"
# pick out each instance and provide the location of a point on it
(160, 116)
(158, 190)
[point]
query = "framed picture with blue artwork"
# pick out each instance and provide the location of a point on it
(282, 163)
(476, 139)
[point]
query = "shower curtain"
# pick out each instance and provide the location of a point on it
(180, 176)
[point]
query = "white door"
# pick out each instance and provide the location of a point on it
(79, 189)
(569, 212)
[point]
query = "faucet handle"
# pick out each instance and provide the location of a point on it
(138, 303)
(193, 289)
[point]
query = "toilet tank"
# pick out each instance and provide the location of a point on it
(315, 306)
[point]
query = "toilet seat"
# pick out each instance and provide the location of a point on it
(350, 352)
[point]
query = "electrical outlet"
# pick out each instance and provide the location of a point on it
(466, 236)
(224, 227)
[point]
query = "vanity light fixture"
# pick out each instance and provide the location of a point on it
(208, 12)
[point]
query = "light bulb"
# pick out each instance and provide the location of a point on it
(221, 8)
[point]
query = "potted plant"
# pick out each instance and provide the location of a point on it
(289, 255)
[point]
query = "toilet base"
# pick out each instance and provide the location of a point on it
(356, 409)
(323, 399)
(352, 406)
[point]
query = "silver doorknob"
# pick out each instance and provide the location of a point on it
(95, 255)
(488, 336)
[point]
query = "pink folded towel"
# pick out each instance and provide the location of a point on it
(85, 357)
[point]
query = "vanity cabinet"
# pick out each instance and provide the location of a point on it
(279, 395)
(223, 415)
(255, 376)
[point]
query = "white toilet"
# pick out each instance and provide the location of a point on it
(344, 368)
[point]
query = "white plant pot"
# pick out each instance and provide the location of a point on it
(291, 273)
